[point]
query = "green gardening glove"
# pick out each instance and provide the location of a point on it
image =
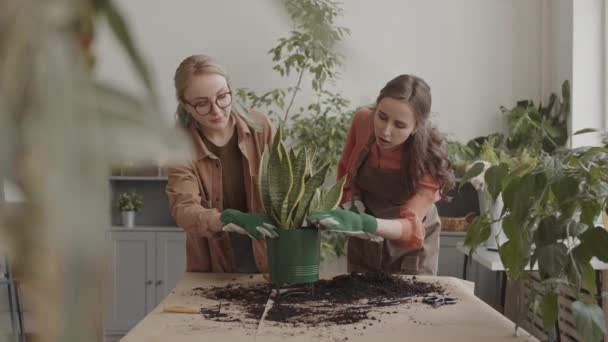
(257, 226)
(346, 222)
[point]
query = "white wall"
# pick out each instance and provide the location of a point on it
(476, 54)
(556, 54)
(588, 92)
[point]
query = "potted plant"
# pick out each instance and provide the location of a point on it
(306, 59)
(291, 188)
(129, 203)
(549, 217)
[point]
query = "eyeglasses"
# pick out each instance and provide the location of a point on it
(203, 106)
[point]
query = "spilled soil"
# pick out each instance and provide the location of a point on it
(345, 299)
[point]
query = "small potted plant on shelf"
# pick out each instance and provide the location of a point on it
(129, 203)
(290, 185)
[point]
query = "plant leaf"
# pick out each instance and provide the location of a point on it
(594, 240)
(589, 319)
(299, 172)
(311, 186)
(119, 27)
(552, 259)
(495, 178)
(263, 182)
(280, 180)
(549, 309)
(585, 130)
(131, 133)
(478, 232)
(331, 199)
(473, 172)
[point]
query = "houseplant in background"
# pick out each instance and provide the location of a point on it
(291, 187)
(129, 203)
(531, 130)
(549, 217)
(320, 123)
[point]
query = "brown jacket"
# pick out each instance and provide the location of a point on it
(195, 192)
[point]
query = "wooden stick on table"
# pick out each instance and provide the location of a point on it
(181, 309)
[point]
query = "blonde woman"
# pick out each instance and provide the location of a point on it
(210, 195)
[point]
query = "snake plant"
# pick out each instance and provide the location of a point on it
(290, 186)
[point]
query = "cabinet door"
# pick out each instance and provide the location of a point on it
(450, 259)
(132, 269)
(170, 261)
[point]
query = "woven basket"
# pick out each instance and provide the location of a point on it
(457, 223)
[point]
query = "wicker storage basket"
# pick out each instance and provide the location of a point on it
(457, 224)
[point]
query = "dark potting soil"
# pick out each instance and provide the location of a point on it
(345, 299)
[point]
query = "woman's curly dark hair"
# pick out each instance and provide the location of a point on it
(425, 151)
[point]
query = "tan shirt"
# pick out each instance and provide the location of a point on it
(195, 194)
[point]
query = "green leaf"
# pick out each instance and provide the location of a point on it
(299, 173)
(331, 199)
(518, 195)
(589, 319)
(565, 190)
(594, 241)
(263, 182)
(585, 130)
(479, 231)
(119, 27)
(549, 231)
(280, 180)
(510, 226)
(549, 309)
(311, 187)
(495, 178)
(588, 279)
(514, 257)
(589, 212)
(132, 131)
(473, 172)
(552, 259)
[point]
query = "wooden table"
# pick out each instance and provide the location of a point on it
(468, 320)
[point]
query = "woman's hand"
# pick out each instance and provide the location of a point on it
(345, 221)
(258, 226)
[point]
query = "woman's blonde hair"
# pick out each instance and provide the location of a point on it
(197, 65)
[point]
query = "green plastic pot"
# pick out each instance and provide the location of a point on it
(294, 256)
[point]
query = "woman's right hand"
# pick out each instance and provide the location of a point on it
(345, 221)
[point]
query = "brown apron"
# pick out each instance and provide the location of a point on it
(383, 193)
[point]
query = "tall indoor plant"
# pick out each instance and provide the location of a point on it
(307, 57)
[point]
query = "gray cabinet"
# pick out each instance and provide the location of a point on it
(170, 261)
(450, 259)
(145, 266)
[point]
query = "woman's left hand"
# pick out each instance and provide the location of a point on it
(258, 226)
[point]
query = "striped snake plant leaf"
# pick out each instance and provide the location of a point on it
(332, 197)
(311, 186)
(316, 201)
(292, 156)
(287, 182)
(310, 157)
(279, 182)
(263, 182)
(299, 171)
